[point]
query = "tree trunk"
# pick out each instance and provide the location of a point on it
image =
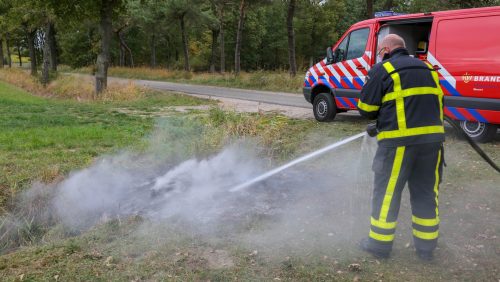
(129, 51)
(237, 52)
(46, 57)
(222, 43)
(124, 47)
(19, 54)
(184, 44)
(276, 53)
(31, 45)
(52, 46)
(215, 33)
(169, 52)
(121, 61)
(388, 5)
(1, 53)
(7, 44)
(369, 9)
(102, 63)
(153, 50)
(291, 38)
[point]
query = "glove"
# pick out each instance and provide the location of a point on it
(372, 130)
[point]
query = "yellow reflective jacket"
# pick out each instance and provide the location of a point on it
(404, 95)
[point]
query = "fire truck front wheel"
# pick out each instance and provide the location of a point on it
(479, 131)
(324, 108)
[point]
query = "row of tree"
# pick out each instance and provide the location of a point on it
(195, 35)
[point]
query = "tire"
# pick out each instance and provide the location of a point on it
(324, 108)
(479, 131)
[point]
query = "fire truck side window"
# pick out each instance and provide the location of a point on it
(357, 43)
(342, 49)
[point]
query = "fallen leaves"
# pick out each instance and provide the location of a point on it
(354, 267)
(109, 262)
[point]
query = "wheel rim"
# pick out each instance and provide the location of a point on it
(473, 128)
(322, 108)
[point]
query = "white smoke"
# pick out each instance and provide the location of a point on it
(193, 190)
(308, 206)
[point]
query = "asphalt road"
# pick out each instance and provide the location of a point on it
(277, 98)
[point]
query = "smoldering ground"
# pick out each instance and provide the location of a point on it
(318, 208)
(168, 186)
(193, 195)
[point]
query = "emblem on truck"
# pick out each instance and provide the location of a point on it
(466, 77)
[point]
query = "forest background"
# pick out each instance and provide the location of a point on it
(189, 35)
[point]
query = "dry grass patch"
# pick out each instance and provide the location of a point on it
(80, 88)
(22, 79)
(260, 80)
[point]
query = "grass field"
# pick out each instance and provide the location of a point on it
(44, 139)
(258, 80)
(15, 59)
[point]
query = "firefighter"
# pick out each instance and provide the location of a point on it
(403, 95)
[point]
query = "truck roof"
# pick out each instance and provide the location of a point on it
(430, 14)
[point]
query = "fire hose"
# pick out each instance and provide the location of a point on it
(473, 144)
(371, 129)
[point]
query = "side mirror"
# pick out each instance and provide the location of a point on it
(339, 55)
(330, 57)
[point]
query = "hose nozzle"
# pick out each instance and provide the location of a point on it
(372, 130)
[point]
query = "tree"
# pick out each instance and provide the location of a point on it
(4, 8)
(31, 33)
(36, 20)
(291, 38)
(7, 45)
(184, 11)
(49, 55)
(219, 7)
(239, 34)
(148, 15)
(46, 55)
(1, 53)
(124, 47)
(74, 10)
(28, 15)
(369, 9)
(464, 4)
(214, 26)
(179, 9)
(51, 37)
(106, 10)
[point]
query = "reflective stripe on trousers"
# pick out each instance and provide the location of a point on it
(419, 166)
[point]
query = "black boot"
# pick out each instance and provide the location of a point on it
(425, 255)
(365, 246)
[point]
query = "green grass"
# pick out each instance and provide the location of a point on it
(15, 59)
(43, 139)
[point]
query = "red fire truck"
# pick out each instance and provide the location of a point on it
(462, 45)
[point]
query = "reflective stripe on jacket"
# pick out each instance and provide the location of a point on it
(404, 95)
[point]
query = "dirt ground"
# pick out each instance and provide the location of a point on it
(303, 225)
(255, 107)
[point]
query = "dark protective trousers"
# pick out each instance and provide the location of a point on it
(421, 167)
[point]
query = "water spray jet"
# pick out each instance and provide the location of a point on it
(296, 161)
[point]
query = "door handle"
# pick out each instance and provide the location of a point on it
(436, 67)
(360, 67)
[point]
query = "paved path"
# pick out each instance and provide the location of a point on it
(277, 98)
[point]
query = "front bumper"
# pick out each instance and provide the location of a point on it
(307, 93)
